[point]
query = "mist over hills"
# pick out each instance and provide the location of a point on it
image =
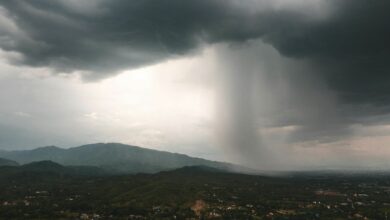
(113, 158)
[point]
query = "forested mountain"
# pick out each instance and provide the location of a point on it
(113, 157)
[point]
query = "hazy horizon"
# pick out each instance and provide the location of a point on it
(273, 85)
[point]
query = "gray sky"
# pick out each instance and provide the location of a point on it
(271, 84)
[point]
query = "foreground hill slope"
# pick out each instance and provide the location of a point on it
(113, 157)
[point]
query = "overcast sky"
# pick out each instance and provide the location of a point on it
(270, 84)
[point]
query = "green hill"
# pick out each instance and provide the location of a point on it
(6, 162)
(47, 169)
(114, 158)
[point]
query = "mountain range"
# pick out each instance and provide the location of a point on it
(113, 158)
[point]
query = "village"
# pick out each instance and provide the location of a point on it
(222, 196)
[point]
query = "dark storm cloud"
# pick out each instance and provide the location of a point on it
(118, 34)
(350, 47)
